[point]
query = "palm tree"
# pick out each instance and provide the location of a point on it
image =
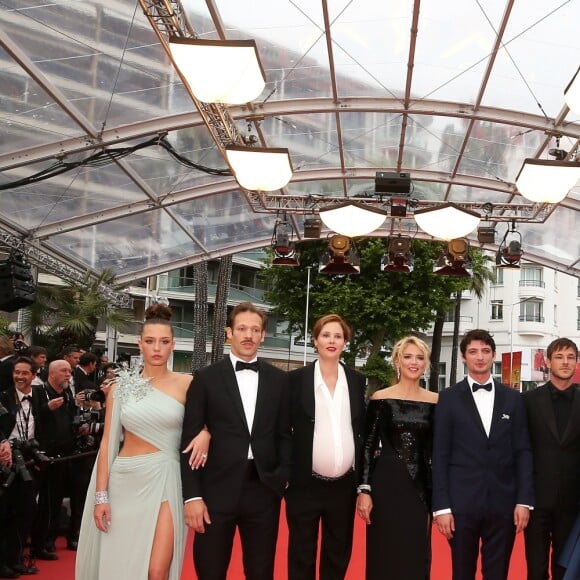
(220, 312)
(200, 280)
(65, 314)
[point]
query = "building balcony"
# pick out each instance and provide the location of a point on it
(532, 288)
(531, 325)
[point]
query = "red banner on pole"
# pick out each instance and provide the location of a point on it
(511, 369)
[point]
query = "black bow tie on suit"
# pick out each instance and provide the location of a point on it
(559, 394)
(477, 386)
(250, 366)
(26, 398)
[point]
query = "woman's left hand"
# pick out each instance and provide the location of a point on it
(198, 446)
(364, 506)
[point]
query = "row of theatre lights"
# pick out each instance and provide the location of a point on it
(341, 256)
(229, 72)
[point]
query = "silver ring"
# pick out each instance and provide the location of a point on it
(204, 455)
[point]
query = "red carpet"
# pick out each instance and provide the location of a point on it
(63, 569)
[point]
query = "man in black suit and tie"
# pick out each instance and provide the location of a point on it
(243, 402)
(554, 421)
(482, 465)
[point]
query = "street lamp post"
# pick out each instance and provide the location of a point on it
(306, 315)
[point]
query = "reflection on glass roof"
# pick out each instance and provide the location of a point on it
(456, 94)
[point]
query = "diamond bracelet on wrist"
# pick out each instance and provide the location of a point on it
(101, 497)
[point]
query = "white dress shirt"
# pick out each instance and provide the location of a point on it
(24, 425)
(483, 401)
(333, 442)
(248, 386)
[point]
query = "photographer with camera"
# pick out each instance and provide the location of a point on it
(19, 486)
(57, 438)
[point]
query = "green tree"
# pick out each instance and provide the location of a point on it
(380, 307)
(69, 314)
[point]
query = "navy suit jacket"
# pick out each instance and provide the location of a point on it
(474, 474)
(214, 400)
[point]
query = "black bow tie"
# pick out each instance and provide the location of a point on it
(477, 386)
(559, 394)
(26, 398)
(250, 366)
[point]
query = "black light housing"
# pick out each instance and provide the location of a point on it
(341, 258)
(282, 244)
(510, 252)
(399, 256)
(454, 261)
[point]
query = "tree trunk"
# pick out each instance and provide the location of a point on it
(220, 314)
(455, 346)
(198, 357)
(436, 352)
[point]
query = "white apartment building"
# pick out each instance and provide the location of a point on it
(524, 309)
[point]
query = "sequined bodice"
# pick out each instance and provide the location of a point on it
(404, 430)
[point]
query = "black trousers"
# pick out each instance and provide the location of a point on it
(257, 518)
(548, 528)
(331, 505)
(497, 535)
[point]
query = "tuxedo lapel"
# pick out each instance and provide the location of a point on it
(498, 405)
(353, 393)
(469, 402)
(233, 390)
(574, 421)
(307, 391)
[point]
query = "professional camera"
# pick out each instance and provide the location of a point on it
(30, 448)
(87, 428)
(97, 396)
(24, 454)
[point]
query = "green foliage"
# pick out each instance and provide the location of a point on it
(379, 372)
(69, 314)
(4, 326)
(380, 307)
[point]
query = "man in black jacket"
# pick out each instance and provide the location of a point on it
(554, 423)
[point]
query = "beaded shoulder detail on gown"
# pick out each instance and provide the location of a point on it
(131, 385)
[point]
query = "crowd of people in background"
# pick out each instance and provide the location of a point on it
(218, 452)
(51, 420)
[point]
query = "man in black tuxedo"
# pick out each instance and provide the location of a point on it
(20, 424)
(482, 465)
(243, 402)
(7, 358)
(554, 420)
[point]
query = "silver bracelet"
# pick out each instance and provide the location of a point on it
(101, 497)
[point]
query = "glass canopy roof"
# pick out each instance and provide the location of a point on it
(106, 161)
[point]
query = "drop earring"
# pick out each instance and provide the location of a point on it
(398, 372)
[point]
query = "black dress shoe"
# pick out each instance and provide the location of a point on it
(72, 545)
(25, 570)
(7, 572)
(49, 546)
(42, 555)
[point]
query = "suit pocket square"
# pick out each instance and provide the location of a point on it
(505, 416)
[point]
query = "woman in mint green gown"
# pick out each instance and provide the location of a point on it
(133, 523)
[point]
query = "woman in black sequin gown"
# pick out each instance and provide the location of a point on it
(395, 484)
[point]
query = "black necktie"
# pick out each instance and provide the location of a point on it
(477, 386)
(250, 366)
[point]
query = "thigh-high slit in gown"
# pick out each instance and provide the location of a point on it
(399, 472)
(138, 485)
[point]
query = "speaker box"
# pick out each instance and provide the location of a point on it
(386, 182)
(16, 286)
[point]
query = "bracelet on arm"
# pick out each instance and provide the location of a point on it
(364, 488)
(101, 497)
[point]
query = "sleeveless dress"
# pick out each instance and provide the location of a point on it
(399, 472)
(137, 487)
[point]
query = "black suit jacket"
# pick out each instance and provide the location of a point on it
(214, 400)
(6, 370)
(83, 381)
(474, 474)
(11, 402)
(302, 413)
(556, 460)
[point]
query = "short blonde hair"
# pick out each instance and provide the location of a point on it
(402, 344)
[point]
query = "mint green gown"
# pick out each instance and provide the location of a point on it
(137, 487)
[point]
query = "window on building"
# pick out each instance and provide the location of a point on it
(578, 317)
(497, 277)
(532, 276)
(496, 371)
(532, 311)
(497, 309)
(450, 315)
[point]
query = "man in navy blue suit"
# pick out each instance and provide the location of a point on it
(482, 465)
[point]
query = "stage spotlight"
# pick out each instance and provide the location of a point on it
(399, 256)
(454, 261)
(282, 244)
(312, 227)
(510, 252)
(341, 258)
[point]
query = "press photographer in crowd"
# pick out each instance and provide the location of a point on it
(19, 407)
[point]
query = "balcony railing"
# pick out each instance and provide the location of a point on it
(534, 283)
(531, 318)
